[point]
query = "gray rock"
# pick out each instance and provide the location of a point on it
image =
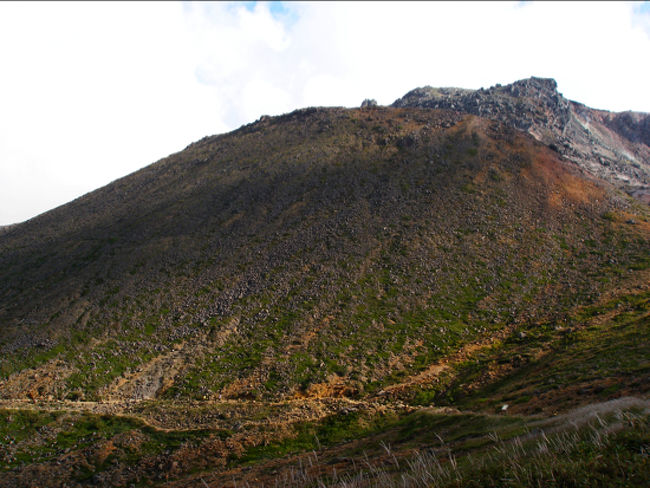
(621, 141)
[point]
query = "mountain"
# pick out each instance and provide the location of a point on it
(317, 279)
(611, 146)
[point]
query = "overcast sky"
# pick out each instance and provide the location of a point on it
(90, 92)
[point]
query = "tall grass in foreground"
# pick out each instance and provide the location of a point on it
(602, 453)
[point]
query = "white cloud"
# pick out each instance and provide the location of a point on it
(92, 91)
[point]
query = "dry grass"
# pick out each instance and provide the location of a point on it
(604, 451)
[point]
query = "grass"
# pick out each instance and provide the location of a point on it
(105, 363)
(28, 437)
(308, 436)
(602, 453)
(599, 352)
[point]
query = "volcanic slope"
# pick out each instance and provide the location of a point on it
(313, 283)
(327, 252)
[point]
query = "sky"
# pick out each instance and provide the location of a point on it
(90, 91)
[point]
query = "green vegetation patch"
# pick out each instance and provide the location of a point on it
(28, 437)
(308, 436)
(600, 352)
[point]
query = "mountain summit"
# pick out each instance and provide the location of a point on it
(612, 146)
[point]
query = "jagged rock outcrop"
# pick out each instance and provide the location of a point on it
(611, 146)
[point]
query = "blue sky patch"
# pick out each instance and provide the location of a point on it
(277, 9)
(643, 8)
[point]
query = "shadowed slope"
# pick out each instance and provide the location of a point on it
(325, 252)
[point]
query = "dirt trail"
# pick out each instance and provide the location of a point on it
(241, 414)
(593, 411)
(112, 407)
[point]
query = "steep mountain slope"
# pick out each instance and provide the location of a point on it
(357, 246)
(312, 277)
(612, 146)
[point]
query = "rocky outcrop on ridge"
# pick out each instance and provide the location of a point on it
(611, 146)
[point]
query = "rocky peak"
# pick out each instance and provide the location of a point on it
(524, 103)
(611, 146)
(369, 103)
(532, 87)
